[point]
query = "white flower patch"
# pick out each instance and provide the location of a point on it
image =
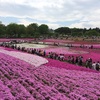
(28, 45)
(32, 59)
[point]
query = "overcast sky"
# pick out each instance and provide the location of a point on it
(54, 13)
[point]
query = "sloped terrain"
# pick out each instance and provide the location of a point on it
(21, 81)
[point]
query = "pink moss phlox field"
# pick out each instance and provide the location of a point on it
(86, 53)
(32, 59)
(74, 43)
(10, 39)
(94, 54)
(21, 81)
(63, 50)
(57, 40)
(65, 65)
(55, 80)
(96, 46)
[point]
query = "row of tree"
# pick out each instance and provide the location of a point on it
(14, 30)
(78, 31)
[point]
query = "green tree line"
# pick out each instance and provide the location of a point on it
(14, 30)
(83, 32)
(34, 30)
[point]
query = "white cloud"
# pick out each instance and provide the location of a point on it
(53, 26)
(86, 24)
(24, 21)
(86, 11)
(27, 22)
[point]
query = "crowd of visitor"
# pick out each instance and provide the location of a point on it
(78, 60)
